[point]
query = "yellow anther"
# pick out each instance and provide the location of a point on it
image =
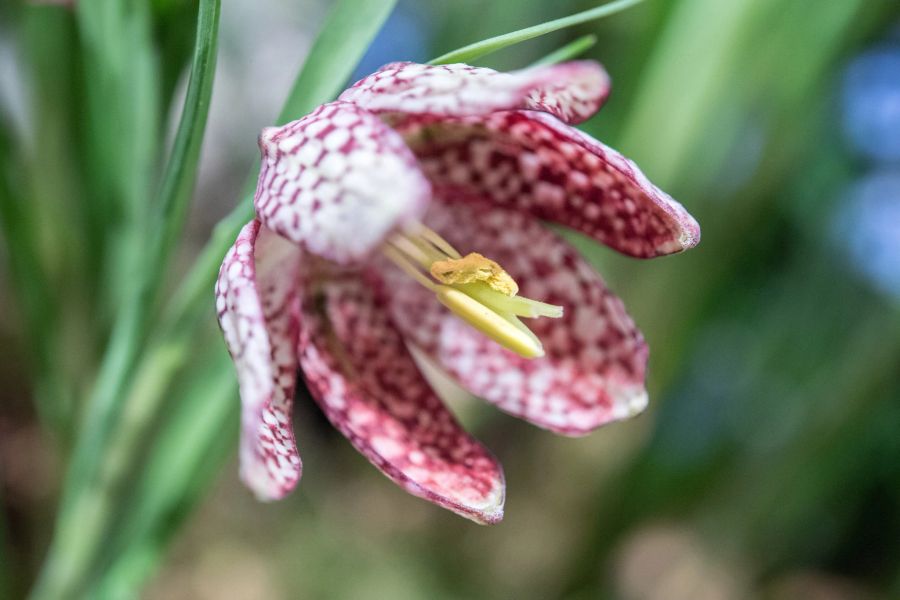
(471, 268)
(490, 323)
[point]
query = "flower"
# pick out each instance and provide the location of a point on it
(410, 164)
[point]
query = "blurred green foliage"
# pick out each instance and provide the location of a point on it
(768, 465)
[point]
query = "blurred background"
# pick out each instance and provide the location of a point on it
(768, 463)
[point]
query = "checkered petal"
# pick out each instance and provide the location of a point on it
(534, 163)
(367, 384)
(571, 91)
(337, 181)
(256, 301)
(593, 371)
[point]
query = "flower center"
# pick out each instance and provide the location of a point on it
(473, 287)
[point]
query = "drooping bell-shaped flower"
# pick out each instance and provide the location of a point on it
(408, 213)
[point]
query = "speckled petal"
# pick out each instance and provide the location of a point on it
(367, 384)
(593, 372)
(533, 162)
(571, 91)
(337, 181)
(256, 301)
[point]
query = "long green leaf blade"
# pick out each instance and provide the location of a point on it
(181, 170)
(121, 140)
(168, 219)
(346, 35)
(489, 46)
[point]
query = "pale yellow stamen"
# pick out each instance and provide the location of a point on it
(408, 267)
(408, 247)
(439, 242)
(473, 287)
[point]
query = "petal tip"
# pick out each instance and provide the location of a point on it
(480, 506)
(487, 513)
(632, 403)
(266, 489)
(572, 91)
(490, 517)
(690, 234)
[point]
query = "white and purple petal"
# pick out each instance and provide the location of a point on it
(534, 163)
(337, 181)
(369, 387)
(593, 371)
(571, 91)
(256, 302)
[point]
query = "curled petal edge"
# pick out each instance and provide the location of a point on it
(256, 303)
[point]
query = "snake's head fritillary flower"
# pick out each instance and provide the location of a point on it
(408, 214)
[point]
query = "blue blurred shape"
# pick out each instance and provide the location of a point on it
(406, 35)
(871, 109)
(868, 227)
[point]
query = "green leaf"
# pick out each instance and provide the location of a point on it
(28, 274)
(85, 477)
(167, 222)
(469, 53)
(198, 433)
(346, 35)
(120, 78)
(52, 221)
(569, 51)
(121, 131)
(181, 171)
(178, 182)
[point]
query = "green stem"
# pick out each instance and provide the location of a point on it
(574, 48)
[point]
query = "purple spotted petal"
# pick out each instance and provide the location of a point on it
(534, 163)
(593, 371)
(367, 384)
(256, 301)
(571, 91)
(337, 181)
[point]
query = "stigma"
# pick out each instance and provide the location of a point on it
(475, 288)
